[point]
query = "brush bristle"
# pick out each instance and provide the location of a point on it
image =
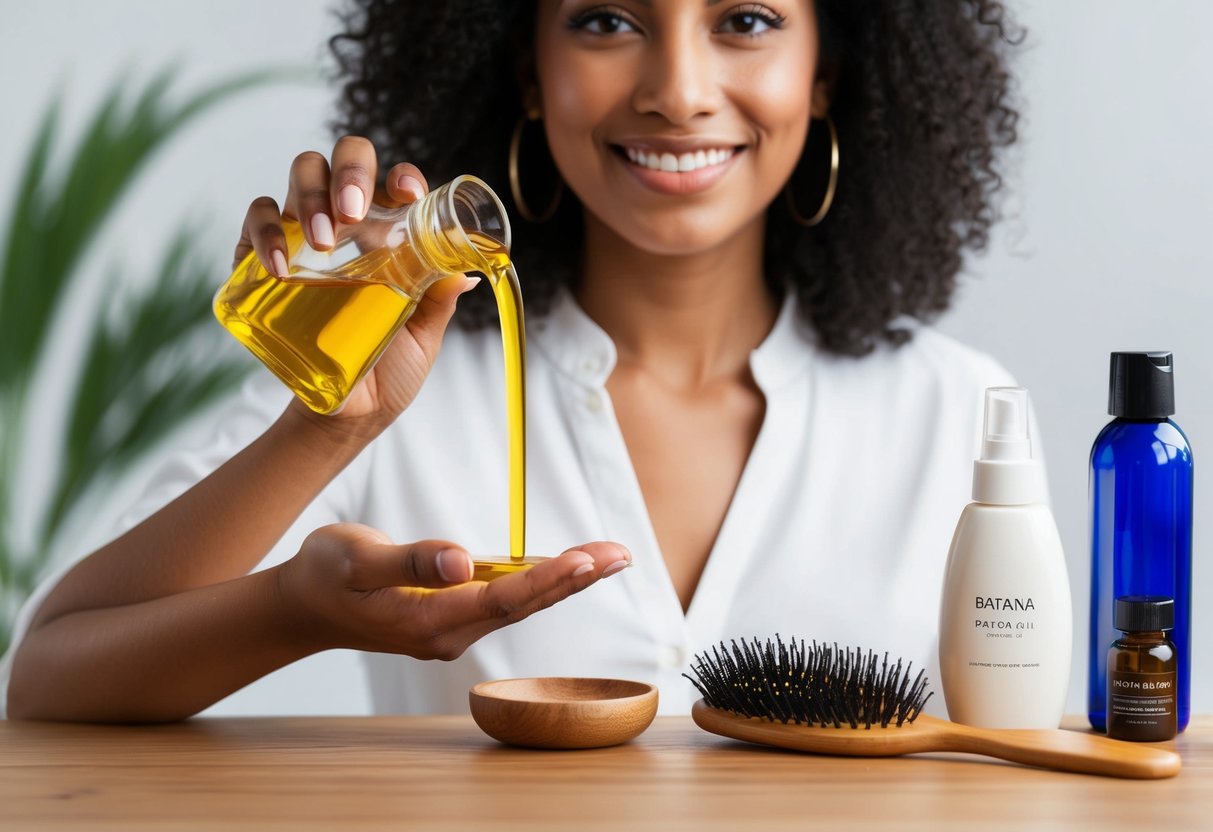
(818, 685)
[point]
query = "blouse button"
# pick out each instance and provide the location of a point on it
(593, 401)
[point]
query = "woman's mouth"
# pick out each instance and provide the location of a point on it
(680, 162)
(683, 172)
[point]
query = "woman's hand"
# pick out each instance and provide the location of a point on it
(352, 587)
(322, 196)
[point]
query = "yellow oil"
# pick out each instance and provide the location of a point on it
(320, 336)
(504, 280)
(487, 569)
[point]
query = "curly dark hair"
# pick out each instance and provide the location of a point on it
(922, 103)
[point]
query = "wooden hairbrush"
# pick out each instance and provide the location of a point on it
(824, 700)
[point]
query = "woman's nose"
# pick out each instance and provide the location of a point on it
(678, 78)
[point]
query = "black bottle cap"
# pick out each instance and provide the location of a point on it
(1141, 385)
(1144, 613)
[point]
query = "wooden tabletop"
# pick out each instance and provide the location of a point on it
(398, 773)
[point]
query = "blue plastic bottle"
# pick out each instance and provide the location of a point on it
(1141, 515)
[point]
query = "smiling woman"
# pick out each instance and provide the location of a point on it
(739, 394)
(920, 95)
(672, 80)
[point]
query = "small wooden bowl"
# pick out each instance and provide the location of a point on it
(563, 712)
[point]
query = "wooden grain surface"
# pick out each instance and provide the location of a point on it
(443, 773)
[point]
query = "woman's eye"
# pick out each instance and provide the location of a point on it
(750, 22)
(602, 23)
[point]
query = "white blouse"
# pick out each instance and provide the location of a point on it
(838, 530)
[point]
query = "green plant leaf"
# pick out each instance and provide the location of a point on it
(19, 260)
(53, 221)
(158, 359)
(151, 363)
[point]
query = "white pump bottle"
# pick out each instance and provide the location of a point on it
(1005, 620)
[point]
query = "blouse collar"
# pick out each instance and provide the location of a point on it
(582, 350)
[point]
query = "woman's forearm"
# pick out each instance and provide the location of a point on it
(158, 660)
(164, 620)
(217, 530)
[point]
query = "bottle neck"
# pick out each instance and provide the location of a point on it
(1132, 420)
(1144, 636)
(1008, 482)
(459, 227)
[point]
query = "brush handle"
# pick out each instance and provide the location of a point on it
(1062, 750)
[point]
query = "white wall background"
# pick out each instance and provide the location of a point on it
(1106, 248)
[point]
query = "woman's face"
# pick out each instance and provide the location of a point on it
(676, 122)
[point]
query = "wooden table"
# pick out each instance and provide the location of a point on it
(442, 773)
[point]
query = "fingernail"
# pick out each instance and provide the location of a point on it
(350, 201)
(278, 260)
(581, 570)
(469, 284)
(615, 567)
(322, 230)
(411, 186)
(453, 565)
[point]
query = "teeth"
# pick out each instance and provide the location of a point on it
(684, 163)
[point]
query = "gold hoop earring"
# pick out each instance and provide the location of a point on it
(830, 188)
(516, 185)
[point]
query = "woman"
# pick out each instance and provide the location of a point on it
(750, 205)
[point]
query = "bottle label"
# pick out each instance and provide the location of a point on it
(996, 617)
(1141, 706)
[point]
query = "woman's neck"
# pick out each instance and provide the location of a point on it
(689, 319)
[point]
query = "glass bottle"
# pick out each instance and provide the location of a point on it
(321, 328)
(1141, 515)
(1142, 677)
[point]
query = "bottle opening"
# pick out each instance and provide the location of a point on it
(481, 215)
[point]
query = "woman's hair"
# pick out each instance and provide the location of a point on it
(921, 103)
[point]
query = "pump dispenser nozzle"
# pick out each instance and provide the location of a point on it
(1007, 474)
(1006, 431)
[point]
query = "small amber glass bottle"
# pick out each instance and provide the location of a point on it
(1141, 670)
